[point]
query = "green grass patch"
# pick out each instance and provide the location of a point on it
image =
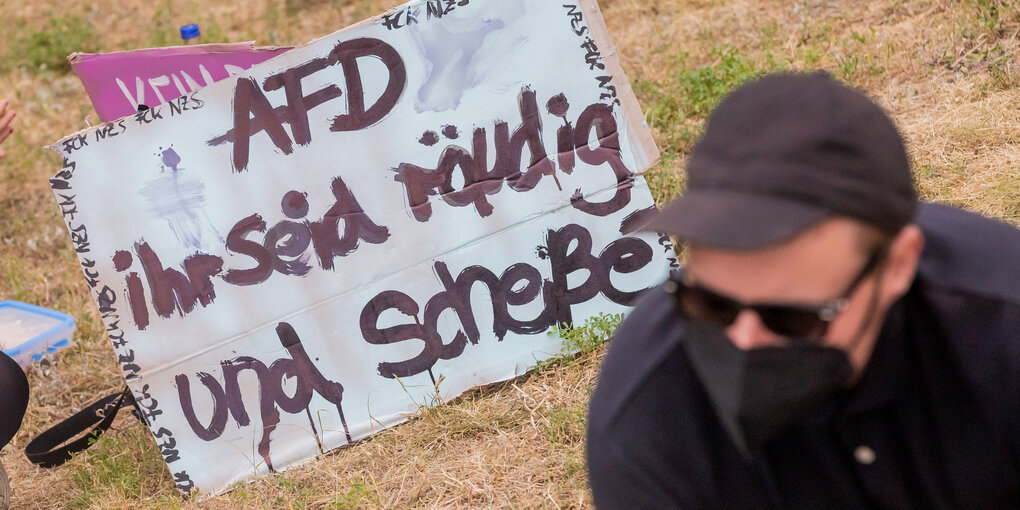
(48, 47)
(358, 495)
(165, 32)
(453, 422)
(1007, 190)
(293, 493)
(940, 183)
(989, 17)
(120, 464)
(566, 424)
(677, 109)
(699, 89)
(666, 180)
(294, 7)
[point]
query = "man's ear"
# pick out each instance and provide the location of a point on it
(901, 262)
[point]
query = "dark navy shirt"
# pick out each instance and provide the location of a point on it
(933, 423)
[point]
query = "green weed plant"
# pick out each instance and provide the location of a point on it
(584, 339)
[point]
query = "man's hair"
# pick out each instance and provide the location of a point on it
(870, 239)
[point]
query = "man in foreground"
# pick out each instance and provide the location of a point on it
(831, 343)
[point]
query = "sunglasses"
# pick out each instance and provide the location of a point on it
(787, 320)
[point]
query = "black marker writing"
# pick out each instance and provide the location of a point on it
(227, 396)
(253, 114)
(569, 250)
(479, 181)
(287, 247)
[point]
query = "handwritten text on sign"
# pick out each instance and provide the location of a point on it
(117, 83)
(292, 258)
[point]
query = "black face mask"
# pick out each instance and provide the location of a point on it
(759, 393)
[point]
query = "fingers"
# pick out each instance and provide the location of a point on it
(5, 132)
(5, 120)
(5, 128)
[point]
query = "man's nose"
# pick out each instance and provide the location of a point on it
(748, 332)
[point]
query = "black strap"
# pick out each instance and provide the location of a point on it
(46, 450)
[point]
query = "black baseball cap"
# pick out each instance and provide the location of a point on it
(781, 154)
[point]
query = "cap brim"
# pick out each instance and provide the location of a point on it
(734, 220)
(13, 398)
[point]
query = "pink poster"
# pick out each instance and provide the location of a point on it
(117, 83)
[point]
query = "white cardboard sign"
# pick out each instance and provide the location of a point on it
(288, 260)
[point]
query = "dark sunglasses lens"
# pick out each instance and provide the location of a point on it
(791, 322)
(704, 305)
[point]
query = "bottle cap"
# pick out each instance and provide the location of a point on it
(189, 31)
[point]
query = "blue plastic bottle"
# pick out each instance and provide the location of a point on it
(190, 33)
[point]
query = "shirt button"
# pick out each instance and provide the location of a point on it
(864, 455)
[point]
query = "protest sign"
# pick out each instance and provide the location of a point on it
(293, 258)
(117, 83)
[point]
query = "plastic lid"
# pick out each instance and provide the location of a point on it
(189, 31)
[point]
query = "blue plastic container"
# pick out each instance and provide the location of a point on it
(28, 332)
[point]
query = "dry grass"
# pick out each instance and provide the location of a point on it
(946, 71)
